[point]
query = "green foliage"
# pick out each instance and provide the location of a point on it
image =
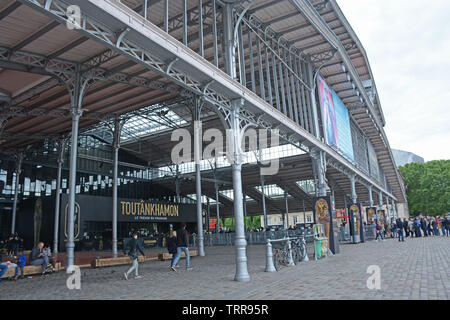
(428, 187)
(252, 222)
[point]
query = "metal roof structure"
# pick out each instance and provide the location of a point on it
(135, 59)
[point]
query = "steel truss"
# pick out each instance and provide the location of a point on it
(120, 43)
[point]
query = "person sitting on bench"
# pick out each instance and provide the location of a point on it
(48, 252)
(3, 269)
(38, 258)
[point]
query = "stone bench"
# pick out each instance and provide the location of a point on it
(29, 270)
(168, 256)
(109, 262)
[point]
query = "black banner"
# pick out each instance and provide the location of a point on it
(97, 208)
(354, 214)
(90, 208)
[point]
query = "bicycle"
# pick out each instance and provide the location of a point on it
(281, 257)
(299, 247)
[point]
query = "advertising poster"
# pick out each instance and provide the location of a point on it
(373, 161)
(335, 120)
(371, 215)
(328, 113)
(345, 142)
(381, 217)
(322, 211)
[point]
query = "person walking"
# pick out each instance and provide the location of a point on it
(429, 227)
(417, 228)
(379, 231)
(406, 227)
(394, 228)
(182, 246)
(401, 238)
(411, 228)
(172, 245)
(445, 227)
(134, 245)
(423, 225)
(434, 225)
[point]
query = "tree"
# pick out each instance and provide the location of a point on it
(428, 187)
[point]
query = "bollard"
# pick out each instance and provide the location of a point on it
(269, 258)
(305, 259)
(291, 260)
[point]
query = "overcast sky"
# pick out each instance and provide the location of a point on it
(408, 45)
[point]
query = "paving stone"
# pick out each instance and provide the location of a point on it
(416, 269)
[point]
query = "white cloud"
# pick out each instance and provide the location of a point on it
(408, 45)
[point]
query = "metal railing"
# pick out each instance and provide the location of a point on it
(252, 237)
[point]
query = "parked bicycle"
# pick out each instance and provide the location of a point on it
(281, 256)
(299, 246)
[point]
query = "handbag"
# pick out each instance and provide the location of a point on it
(133, 254)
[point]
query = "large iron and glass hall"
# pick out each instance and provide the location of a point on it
(92, 93)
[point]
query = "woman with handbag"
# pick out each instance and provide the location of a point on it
(172, 245)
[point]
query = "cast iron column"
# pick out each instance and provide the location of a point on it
(76, 111)
(380, 200)
(216, 187)
(387, 207)
(261, 178)
(198, 181)
(240, 242)
(394, 211)
(116, 147)
(230, 63)
(304, 212)
(353, 188)
(370, 196)
(16, 191)
(286, 220)
(244, 201)
(61, 145)
(177, 185)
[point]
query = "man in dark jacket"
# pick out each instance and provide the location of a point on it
(405, 227)
(134, 245)
(400, 230)
(38, 258)
(172, 245)
(423, 226)
(445, 226)
(182, 246)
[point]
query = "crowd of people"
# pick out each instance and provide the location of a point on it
(413, 227)
(41, 255)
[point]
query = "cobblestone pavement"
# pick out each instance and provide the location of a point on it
(415, 269)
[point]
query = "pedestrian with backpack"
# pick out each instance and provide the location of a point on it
(134, 245)
(182, 246)
(379, 232)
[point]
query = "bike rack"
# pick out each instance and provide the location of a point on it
(269, 253)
